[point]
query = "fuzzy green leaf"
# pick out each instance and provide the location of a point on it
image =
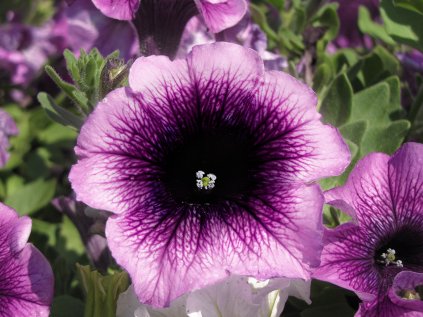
(57, 113)
(403, 25)
(375, 30)
(336, 105)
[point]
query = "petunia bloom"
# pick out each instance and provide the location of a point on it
(208, 164)
(245, 33)
(349, 33)
(217, 14)
(7, 128)
(403, 300)
(384, 196)
(26, 284)
(88, 28)
(25, 49)
(236, 296)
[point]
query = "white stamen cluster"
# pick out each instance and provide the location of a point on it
(390, 258)
(205, 181)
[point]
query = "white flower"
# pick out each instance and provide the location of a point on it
(236, 296)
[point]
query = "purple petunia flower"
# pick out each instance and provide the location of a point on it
(7, 128)
(403, 300)
(245, 33)
(88, 28)
(207, 163)
(25, 49)
(349, 33)
(217, 14)
(26, 284)
(384, 195)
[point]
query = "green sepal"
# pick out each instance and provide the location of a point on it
(102, 292)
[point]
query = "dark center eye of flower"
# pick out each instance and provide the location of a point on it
(402, 249)
(225, 154)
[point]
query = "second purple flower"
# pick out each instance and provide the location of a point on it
(208, 164)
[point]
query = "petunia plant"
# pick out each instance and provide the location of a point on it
(211, 158)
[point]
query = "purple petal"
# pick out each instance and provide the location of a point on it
(407, 282)
(221, 14)
(190, 252)
(406, 181)
(366, 192)
(384, 307)
(7, 128)
(118, 9)
(315, 150)
(347, 261)
(26, 286)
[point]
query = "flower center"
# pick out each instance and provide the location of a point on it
(205, 182)
(191, 165)
(389, 258)
(410, 295)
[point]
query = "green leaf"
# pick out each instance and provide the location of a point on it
(377, 66)
(70, 90)
(375, 30)
(403, 25)
(66, 306)
(371, 104)
(57, 113)
(69, 242)
(102, 292)
(354, 131)
(413, 5)
(336, 105)
(56, 134)
(32, 197)
(378, 105)
(326, 18)
(322, 77)
(385, 139)
(328, 301)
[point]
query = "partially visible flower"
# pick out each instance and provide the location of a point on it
(217, 14)
(118, 9)
(236, 296)
(221, 14)
(25, 49)
(150, 153)
(7, 128)
(384, 195)
(88, 28)
(245, 33)
(404, 298)
(90, 225)
(26, 284)
(349, 33)
(250, 35)
(412, 65)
